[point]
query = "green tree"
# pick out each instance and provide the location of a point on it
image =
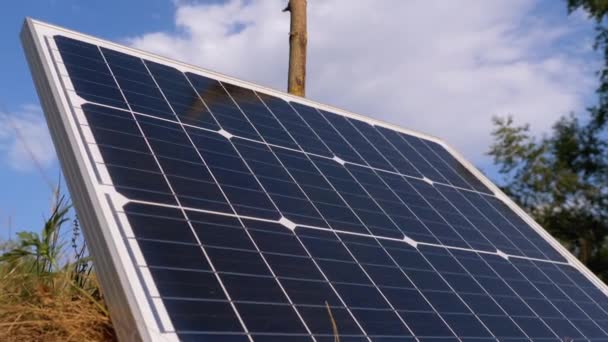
(561, 179)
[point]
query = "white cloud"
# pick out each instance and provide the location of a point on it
(25, 142)
(442, 67)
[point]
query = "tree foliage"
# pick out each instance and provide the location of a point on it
(561, 179)
(596, 9)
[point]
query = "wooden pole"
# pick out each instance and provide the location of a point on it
(298, 39)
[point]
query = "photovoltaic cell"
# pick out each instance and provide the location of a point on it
(253, 216)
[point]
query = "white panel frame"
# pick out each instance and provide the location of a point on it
(131, 311)
(132, 314)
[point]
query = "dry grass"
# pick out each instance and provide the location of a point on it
(46, 294)
(51, 307)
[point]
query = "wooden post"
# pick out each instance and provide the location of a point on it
(298, 39)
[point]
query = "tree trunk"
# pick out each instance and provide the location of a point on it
(298, 39)
(586, 249)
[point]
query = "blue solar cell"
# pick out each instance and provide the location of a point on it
(181, 97)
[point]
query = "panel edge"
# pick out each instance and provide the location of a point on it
(83, 194)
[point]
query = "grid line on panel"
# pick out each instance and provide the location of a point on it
(519, 230)
(497, 229)
(132, 255)
(439, 273)
(411, 142)
(393, 260)
(158, 316)
(493, 224)
(422, 196)
(483, 215)
(449, 167)
(355, 163)
(345, 232)
(369, 277)
(177, 200)
(471, 187)
(379, 152)
(603, 329)
(401, 146)
(367, 274)
(155, 313)
(463, 216)
(284, 147)
(484, 290)
(430, 244)
(95, 71)
(420, 155)
(229, 203)
(383, 182)
(310, 305)
(546, 244)
(302, 244)
(362, 147)
(592, 299)
(252, 172)
(448, 164)
(390, 143)
(487, 293)
(80, 130)
(326, 158)
(552, 301)
(518, 296)
(382, 247)
(526, 303)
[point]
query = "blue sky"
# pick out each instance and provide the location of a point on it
(420, 64)
(25, 195)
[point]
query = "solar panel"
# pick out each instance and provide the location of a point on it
(221, 210)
